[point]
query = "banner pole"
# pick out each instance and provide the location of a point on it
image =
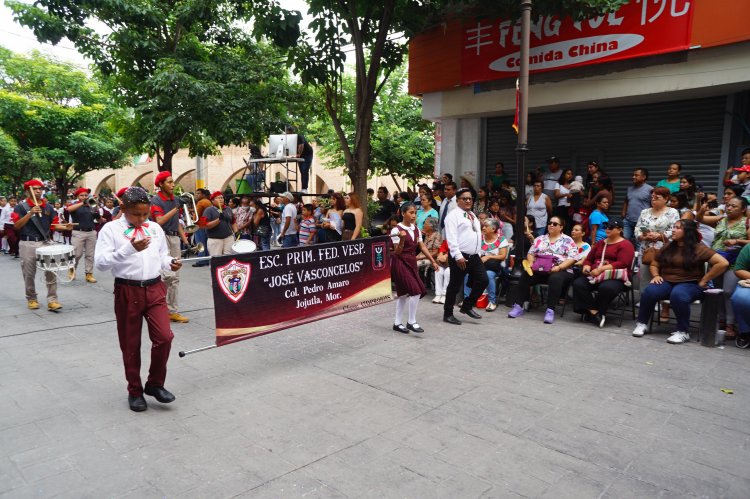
(194, 259)
(188, 352)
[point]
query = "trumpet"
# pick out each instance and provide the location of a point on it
(190, 224)
(92, 202)
(193, 250)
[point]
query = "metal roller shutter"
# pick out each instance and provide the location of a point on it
(620, 139)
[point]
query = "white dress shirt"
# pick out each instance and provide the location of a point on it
(5, 212)
(115, 252)
(447, 205)
(463, 232)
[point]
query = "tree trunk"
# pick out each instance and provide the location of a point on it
(164, 157)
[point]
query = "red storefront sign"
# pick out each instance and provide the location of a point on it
(491, 49)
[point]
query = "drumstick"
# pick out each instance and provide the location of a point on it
(33, 196)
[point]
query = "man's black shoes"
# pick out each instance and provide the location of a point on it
(160, 393)
(137, 404)
(470, 313)
(450, 319)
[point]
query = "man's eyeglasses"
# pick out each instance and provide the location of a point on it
(464, 198)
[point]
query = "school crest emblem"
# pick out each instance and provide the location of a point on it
(233, 279)
(378, 256)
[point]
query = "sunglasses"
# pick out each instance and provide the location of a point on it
(466, 199)
(553, 224)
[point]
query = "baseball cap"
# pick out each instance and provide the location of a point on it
(553, 159)
(745, 168)
(614, 223)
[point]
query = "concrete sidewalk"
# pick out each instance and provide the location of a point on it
(348, 408)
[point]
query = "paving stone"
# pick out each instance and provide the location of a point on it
(348, 408)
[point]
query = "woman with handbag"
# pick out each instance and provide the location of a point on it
(731, 233)
(549, 261)
(606, 270)
(653, 230)
(493, 251)
(678, 275)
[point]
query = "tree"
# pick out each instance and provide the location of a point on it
(54, 121)
(402, 142)
(189, 72)
(378, 31)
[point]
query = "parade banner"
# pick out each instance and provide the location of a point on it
(491, 48)
(263, 292)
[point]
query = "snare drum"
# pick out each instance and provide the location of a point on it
(243, 246)
(55, 257)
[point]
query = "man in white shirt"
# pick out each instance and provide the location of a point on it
(136, 252)
(448, 204)
(289, 237)
(464, 236)
(551, 178)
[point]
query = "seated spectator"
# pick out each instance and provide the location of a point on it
(730, 235)
(481, 202)
(679, 201)
(741, 296)
(432, 240)
(549, 261)
(493, 251)
(578, 234)
(600, 273)
(678, 275)
(653, 230)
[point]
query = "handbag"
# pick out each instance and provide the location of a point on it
(648, 255)
(263, 230)
(619, 274)
(543, 263)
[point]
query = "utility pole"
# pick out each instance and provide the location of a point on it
(521, 149)
(200, 172)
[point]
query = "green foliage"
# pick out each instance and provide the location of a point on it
(402, 142)
(378, 31)
(188, 71)
(54, 122)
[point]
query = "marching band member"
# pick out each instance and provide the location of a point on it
(84, 234)
(220, 226)
(136, 251)
(117, 210)
(165, 210)
(32, 220)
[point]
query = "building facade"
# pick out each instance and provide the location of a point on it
(654, 83)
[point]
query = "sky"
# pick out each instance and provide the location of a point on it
(22, 40)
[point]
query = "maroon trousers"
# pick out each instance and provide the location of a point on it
(10, 233)
(132, 304)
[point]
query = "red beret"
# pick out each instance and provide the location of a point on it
(215, 194)
(33, 183)
(81, 190)
(161, 177)
(121, 192)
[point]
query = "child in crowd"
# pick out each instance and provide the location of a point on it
(576, 186)
(307, 226)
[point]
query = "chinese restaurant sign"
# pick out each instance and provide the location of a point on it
(262, 292)
(491, 49)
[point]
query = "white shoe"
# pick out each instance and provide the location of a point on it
(640, 329)
(436, 299)
(442, 298)
(304, 191)
(678, 337)
(491, 307)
